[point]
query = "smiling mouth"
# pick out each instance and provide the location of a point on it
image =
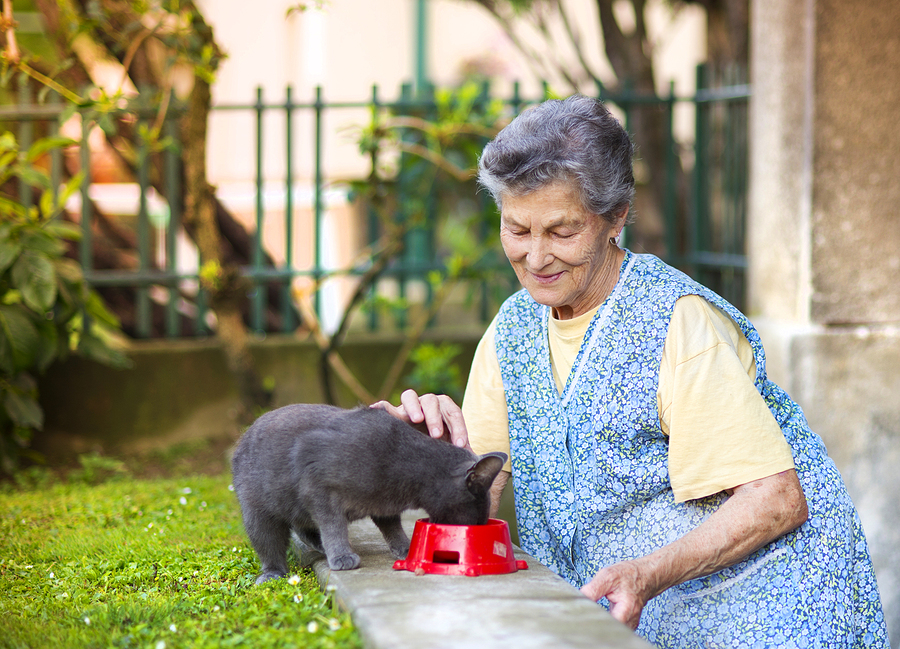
(546, 279)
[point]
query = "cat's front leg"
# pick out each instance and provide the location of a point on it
(392, 530)
(336, 542)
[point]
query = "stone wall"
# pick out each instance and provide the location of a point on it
(181, 390)
(824, 240)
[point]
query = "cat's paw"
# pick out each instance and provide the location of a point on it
(399, 550)
(266, 576)
(344, 562)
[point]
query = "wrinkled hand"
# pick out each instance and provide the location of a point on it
(435, 414)
(623, 585)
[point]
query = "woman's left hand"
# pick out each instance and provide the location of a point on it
(621, 584)
(756, 514)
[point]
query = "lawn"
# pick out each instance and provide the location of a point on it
(159, 563)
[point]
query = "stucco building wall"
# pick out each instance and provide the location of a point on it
(824, 240)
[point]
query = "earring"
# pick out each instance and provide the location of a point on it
(615, 240)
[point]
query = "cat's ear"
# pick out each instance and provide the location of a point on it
(481, 475)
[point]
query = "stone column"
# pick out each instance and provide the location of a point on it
(824, 240)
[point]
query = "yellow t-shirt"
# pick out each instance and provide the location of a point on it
(721, 433)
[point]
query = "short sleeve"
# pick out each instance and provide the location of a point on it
(721, 432)
(484, 403)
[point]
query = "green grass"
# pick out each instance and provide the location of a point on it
(157, 563)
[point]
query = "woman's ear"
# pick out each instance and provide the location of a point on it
(621, 218)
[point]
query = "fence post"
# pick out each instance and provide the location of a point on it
(171, 161)
(259, 289)
(25, 137)
(373, 224)
(142, 296)
(670, 211)
(56, 160)
(317, 189)
(287, 320)
(86, 253)
(698, 212)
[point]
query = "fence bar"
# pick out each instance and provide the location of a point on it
(26, 137)
(56, 159)
(142, 294)
(287, 311)
(171, 161)
(86, 253)
(698, 224)
(257, 301)
(373, 224)
(670, 214)
(319, 107)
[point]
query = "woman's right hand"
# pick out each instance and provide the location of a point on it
(435, 414)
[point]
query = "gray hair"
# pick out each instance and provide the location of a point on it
(575, 140)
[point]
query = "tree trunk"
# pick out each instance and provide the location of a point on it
(202, 214)
(226, 286)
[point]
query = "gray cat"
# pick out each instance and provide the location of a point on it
(312, 469)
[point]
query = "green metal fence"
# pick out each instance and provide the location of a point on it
(703, 212)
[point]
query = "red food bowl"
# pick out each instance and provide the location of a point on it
(469, 550)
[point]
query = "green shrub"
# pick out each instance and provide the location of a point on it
(47, 309)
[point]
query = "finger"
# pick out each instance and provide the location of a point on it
(391, 409)
(626, 612)
(454, 422)
(412, 405)
(432, 411)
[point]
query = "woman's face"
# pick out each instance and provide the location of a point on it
(561, 253)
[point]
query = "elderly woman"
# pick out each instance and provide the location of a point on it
(654, 465)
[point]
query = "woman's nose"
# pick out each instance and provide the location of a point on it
(538, 255)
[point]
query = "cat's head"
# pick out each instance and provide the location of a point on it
(471, 501)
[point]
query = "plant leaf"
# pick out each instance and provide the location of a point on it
(9, 252)
(42, 241)
(46, 144)
(24, 410)
(33, 275)
(21, 335)
(64, 230)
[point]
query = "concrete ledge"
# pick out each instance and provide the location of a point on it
(395, 609)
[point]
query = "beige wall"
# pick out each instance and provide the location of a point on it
(347, 47)
(350, 45)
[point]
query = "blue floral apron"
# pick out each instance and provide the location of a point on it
(590, 475)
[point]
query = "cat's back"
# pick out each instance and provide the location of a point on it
(274, 435)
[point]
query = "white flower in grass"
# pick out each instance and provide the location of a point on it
(161, 644)
(298, 598)
(231, 487)
(186, 491)
(294, 580)
(87, 621)
(216, 608)
(334, 624)
(183, 500)
(312, 627)
(173, 628)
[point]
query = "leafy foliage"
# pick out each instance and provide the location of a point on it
(427, 219)
(47, 310)
(435, 370)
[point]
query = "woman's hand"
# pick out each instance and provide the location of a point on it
(435, 414)
(621, 584)
(756, 514)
